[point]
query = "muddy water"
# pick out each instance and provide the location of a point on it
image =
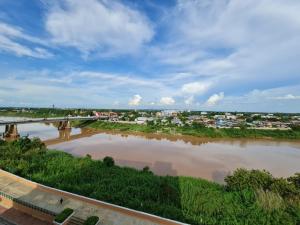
(189, 156)
(174, 155)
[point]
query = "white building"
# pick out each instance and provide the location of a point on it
(143, 120)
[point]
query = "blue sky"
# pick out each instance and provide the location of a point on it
(227, 55)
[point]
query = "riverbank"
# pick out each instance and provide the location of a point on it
(194, 130)
(249, 197)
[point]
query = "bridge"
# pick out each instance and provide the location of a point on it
(11, 130)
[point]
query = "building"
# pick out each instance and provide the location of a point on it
(176, 121)
(143, 120)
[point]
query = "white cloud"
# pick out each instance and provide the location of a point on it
(195, 87)
(167, 101)
(214, 99)
(135, 100)
(287, 97)
(10, 37)
(189, 100)
(236, 43)
(92, 26)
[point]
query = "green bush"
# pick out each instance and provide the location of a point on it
(108, 161)
(61, 217)
(296, 127)
(295, 180)
(245, 179)
(284, 188)
(92, 220)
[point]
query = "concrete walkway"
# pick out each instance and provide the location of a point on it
(48, 198)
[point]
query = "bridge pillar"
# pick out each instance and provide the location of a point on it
(64, 125)
(65, 134)
(11, 131)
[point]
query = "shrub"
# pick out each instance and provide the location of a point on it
(295, 180)
(61, 217)
(108, 161)
(295, 127)
(245, 179)
(92, 220)
(146, 169)
(283, 187)
(2, 142)
(269, 200)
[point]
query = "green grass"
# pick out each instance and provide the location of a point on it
(198, 131)
(249, 197)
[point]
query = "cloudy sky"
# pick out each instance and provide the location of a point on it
(228, 55)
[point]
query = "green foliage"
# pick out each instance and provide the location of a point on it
(250, 197)
(244, 179)
(269, 200)
(197, 129)
(92, 220)
(263, 180)
(61, 217)
(295, 180)
(108, 161)
(146, 169)
(284, 188)
(296, 127)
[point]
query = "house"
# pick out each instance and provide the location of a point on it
(220, 123)
(219, 117)
(168, 113)
(230, 117)
(143, 120)
(176, 121)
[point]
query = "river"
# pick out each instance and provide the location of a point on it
(211, 159)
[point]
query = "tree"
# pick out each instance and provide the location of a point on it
(108, 161)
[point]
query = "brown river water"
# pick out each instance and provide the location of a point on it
(173, 155)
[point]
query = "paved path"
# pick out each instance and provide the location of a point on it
(49, 199)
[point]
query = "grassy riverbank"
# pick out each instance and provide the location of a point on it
(249, 197)
(194, 130)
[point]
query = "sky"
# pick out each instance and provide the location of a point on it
(216, 55)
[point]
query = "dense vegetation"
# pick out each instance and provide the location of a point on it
(196, 130)
(249, 197)
(61, 217)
